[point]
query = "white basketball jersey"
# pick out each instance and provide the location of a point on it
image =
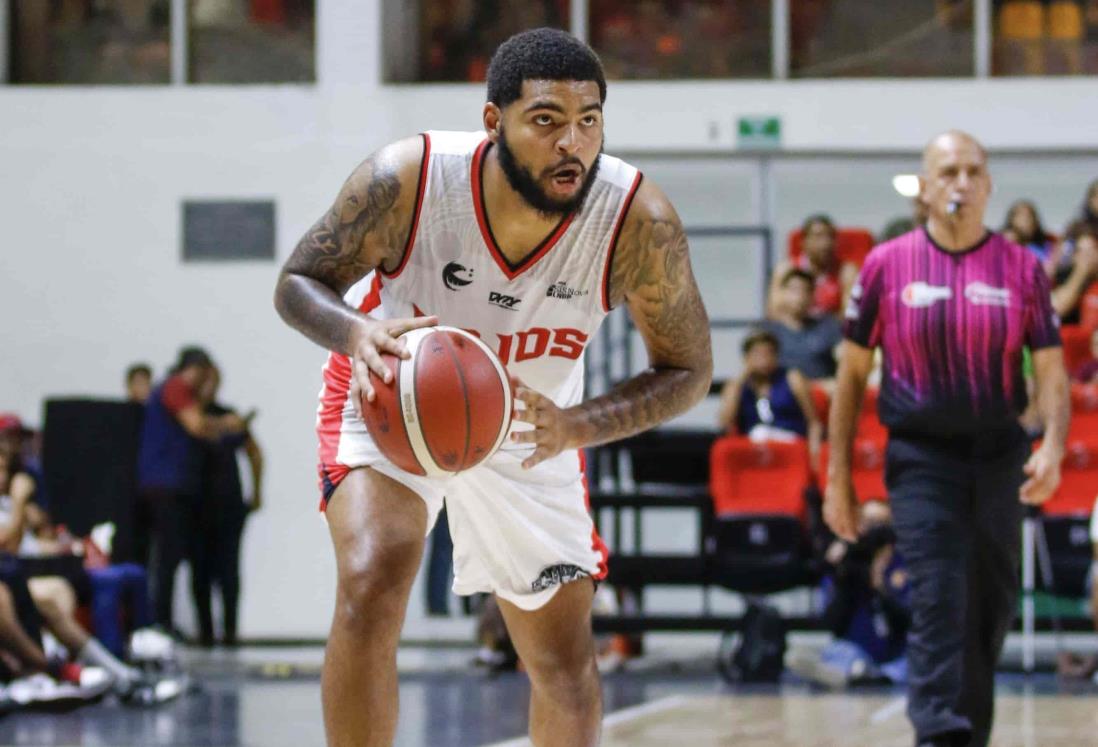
(538, 315)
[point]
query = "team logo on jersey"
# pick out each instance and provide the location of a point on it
(504, 301)
(564, 292)
(555, 575)
(919, 295)
(456, 276)
(982, 294)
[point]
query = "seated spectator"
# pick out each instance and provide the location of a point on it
(833, 279)
(768, 402)
(54, 597)
(138, 383)
(1087, 372)
(1075, 275)
(807, 342)
(1023, 227)
(897, 227)
(867, 612)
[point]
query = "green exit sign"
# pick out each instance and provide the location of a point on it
(759, 132)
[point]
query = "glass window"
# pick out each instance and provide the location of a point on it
(90, 41)
(1053, 37)
(453, 40)
(252, 41)
(682, 38)
(870, 38)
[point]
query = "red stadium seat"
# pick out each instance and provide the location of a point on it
(1084, 413)
(869, 424)
(1088, 308)
(1079, 483)
(852, 244)
(758, 478)
(867, 468)
(1076, 341)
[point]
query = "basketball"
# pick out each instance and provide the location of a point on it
(448, 407)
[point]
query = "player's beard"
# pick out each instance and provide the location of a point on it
(522, 180)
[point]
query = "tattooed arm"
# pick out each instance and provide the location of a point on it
(366, 228)
(651, 274)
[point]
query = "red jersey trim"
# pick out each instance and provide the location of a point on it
(512, 271)
(596, 541)
(421, 188)
(614, 240)
(337, 383)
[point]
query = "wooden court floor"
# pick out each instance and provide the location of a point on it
(806, 720)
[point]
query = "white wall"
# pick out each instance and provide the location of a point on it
(91, 182)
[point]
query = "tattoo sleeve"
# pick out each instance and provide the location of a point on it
(651, 273)
(366, 228)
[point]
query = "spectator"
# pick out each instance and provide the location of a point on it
(807, 343)
(222, 511)
(1087, 222)
(867, 609)
(768, 402)
(20, 442)
(53, 596)
(1087, 372)
(1023, 226)
(832, 278)
(138, 383)
(168, 479)
(1072, 279)
(897, 227)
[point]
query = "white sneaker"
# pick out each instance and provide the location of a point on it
(43, 689)
(150, 644)
(808, 666)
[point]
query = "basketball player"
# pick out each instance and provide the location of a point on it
(952, 306)
(528, 235)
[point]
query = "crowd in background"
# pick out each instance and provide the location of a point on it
(789, 366)
(57, 589)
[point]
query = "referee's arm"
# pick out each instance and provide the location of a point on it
(840, 504)
(1054, 406)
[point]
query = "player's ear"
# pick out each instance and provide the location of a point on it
(493, 121)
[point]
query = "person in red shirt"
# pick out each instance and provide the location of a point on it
(833, 277)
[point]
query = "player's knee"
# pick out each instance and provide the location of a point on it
(378, 573)
(7, 604)
(570, 675)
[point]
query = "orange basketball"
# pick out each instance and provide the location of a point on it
(448, 407)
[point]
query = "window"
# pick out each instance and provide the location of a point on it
(251, 41)
(870, 38)
(453, 40)
(1049, 37)
(81, 42)
(682, 38)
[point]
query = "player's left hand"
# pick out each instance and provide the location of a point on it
(550, 432)
(1043, 471)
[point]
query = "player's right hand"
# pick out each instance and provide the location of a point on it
(369, 341)
(840, 510)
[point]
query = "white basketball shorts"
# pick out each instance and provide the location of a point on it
(517, 533)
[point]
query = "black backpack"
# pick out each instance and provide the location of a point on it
(760, 653)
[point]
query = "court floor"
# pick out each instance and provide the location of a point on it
(270, 698)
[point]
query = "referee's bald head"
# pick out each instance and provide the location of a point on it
(948, 142)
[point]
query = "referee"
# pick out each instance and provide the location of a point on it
(952, 305)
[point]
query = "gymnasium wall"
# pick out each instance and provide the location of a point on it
(91, 182)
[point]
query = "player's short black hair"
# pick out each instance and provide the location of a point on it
(541, 54)
(192, 355)
(758, 336)
(138, 369)
(797, 272)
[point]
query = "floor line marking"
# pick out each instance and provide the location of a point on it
(622, 716)
(889, 710)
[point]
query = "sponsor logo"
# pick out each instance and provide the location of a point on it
(562, 291)
(983, 294)
(504, 301)
(456, 276)
(555, 575)
(919, 295)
